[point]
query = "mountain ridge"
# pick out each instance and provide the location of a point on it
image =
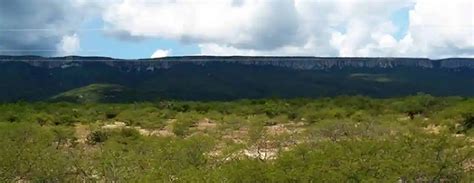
(31, 78)
(303, 63)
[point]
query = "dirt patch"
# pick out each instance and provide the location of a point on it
(81, 132)
(205, 124)
(158, 133)
(285, 129)
(434, 129)
(115, 125)
(165, 132)
(263, 154)
(468, 165)
(237, 136)
(276, 130)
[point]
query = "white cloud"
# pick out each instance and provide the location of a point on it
(161, 53)
(440, 28)
(301, 27)
(436, 28)
(69, 45)
(249, 24)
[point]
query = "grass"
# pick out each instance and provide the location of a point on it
(92, 93)
(381, 78)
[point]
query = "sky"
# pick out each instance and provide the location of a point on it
(133, 29)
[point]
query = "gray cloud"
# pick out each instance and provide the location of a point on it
(36, 27)
(276, 26)
(242, 24)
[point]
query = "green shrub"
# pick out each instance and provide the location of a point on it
(97, 137)
(43, 119)
(111, 115)
(12, 118)
(181, 127)
(468, 122)
(64, 119)
(129, 133)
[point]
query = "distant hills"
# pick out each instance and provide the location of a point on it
(101, 79)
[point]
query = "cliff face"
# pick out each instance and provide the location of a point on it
(298, 63)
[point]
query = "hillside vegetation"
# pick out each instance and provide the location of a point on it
(93, 93)
(419, 138)
(214, 80)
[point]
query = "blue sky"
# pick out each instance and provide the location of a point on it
(97, 43)
(155, 28)
(400, 19)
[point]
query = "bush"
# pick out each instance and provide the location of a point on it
(418, 104)
(111, 115)
(43, 119)
(64, 119)
(468, 122)
(129, 133)
(181, 127)
(97, 137)
(12, 118)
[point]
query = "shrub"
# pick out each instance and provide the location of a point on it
(64, 119)
(111, 115)
(97, 137)
(43, 119)
(468, 122)
(129, 133)
(181, 127)
(12, 118)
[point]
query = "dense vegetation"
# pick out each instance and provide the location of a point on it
(342, 139)
(21, 81)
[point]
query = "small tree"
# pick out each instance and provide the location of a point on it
(62, 135)
(97, 137)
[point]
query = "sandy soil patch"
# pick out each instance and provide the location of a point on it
(166, 132)
(434, 129)
(81, 132)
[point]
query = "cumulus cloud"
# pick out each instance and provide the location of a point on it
(441, 28)
(436, 28)
(256, 24)
(282, 27)
(301, 27)
(37, 27)
(160, 53)
(69, 45)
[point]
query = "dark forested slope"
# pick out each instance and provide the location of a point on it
(223, 78)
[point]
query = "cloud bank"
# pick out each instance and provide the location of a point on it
(435, 28)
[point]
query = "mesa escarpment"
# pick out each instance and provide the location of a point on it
(79, 79)
(299, 63)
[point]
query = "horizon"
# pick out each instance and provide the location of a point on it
(235, 56)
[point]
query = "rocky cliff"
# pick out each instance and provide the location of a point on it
(299, 63)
